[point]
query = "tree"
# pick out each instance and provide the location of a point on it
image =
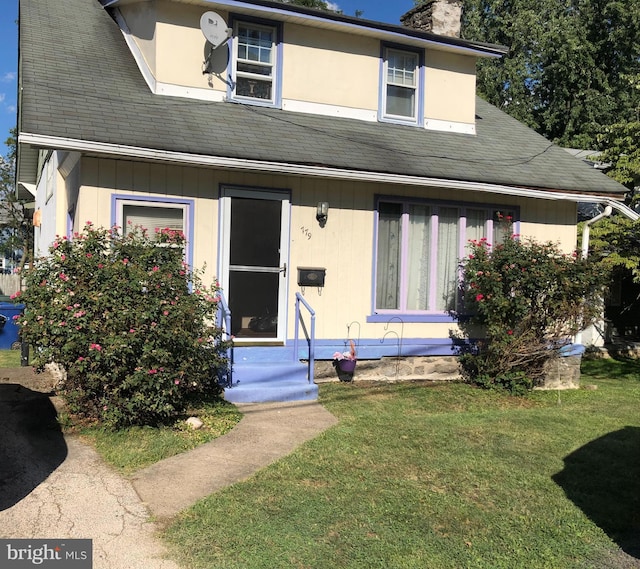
(318, 4)
(619, 145)
(16, 230)
(566, 71)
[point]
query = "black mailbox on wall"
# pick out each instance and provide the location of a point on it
(311, 276)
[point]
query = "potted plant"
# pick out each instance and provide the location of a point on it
(346, 361)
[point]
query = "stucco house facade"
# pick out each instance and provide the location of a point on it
(310, 155)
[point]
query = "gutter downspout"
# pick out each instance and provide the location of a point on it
(586, 230)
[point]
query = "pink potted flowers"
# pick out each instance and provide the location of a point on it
(346, 361)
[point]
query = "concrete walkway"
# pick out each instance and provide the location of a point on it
(55, 487)
(267, 432)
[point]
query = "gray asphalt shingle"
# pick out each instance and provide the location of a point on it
(80, 81)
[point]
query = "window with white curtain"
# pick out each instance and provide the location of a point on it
(401, 85)
(419, 248)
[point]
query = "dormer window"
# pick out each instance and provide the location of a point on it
(255, 63)
(401, 86)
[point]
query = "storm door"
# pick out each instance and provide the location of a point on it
(253, 272)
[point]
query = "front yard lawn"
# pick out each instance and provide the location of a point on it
(9, 358)
(445, 476)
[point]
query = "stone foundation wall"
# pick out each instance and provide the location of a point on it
(562, 373)
(432, 368)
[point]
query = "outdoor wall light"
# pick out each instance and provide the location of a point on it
(322, 213)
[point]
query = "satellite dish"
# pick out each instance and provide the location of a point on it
(215, 29)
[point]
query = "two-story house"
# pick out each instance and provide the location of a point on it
(305, 154)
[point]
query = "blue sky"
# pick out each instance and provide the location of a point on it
(8, 68)
(379, 10)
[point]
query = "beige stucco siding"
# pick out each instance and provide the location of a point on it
(344, 247)
(182, 49)
(450, 82)
(330, 68)
(141, 22)
(323, 71)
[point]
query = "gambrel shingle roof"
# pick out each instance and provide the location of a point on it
(79, 81)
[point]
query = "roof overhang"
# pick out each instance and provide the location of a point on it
(339, 22)
(314, 171)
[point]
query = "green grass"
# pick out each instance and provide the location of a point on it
(446, 476)
(9, 358)
(134, 448)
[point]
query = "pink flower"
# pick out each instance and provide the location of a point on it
(63, 257)
(15, 295)
(89, 255)
(96, 347)
(63, 277)
(166, 313)
(131, 331)
(125, 261)
(152, 371)
(479, 297)
(100, 266)
(80, 359)
(510, 332)
(177, 382)
(63, 323)
(89, 223)
(154, 324)
(155, 269)
(55, 245)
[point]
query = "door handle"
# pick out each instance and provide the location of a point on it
(283, 270)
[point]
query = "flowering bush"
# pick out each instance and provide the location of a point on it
(526, 301)
(116, 313)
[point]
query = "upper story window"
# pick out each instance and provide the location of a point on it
(418, 252)
(255, 65)
(401, 85)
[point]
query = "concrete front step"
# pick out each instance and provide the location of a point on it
(273, 381)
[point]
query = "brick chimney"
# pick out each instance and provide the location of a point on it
(436, 16)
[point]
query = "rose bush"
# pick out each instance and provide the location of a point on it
(128, 321)
(522, 303)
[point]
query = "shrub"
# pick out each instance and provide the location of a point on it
(116, 313)
(522, 303)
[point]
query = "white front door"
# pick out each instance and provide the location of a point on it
(254, 233)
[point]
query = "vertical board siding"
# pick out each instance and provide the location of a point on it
(344, 247)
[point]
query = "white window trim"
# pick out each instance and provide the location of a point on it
(276, 64)
(187, 207)
(418, 112)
